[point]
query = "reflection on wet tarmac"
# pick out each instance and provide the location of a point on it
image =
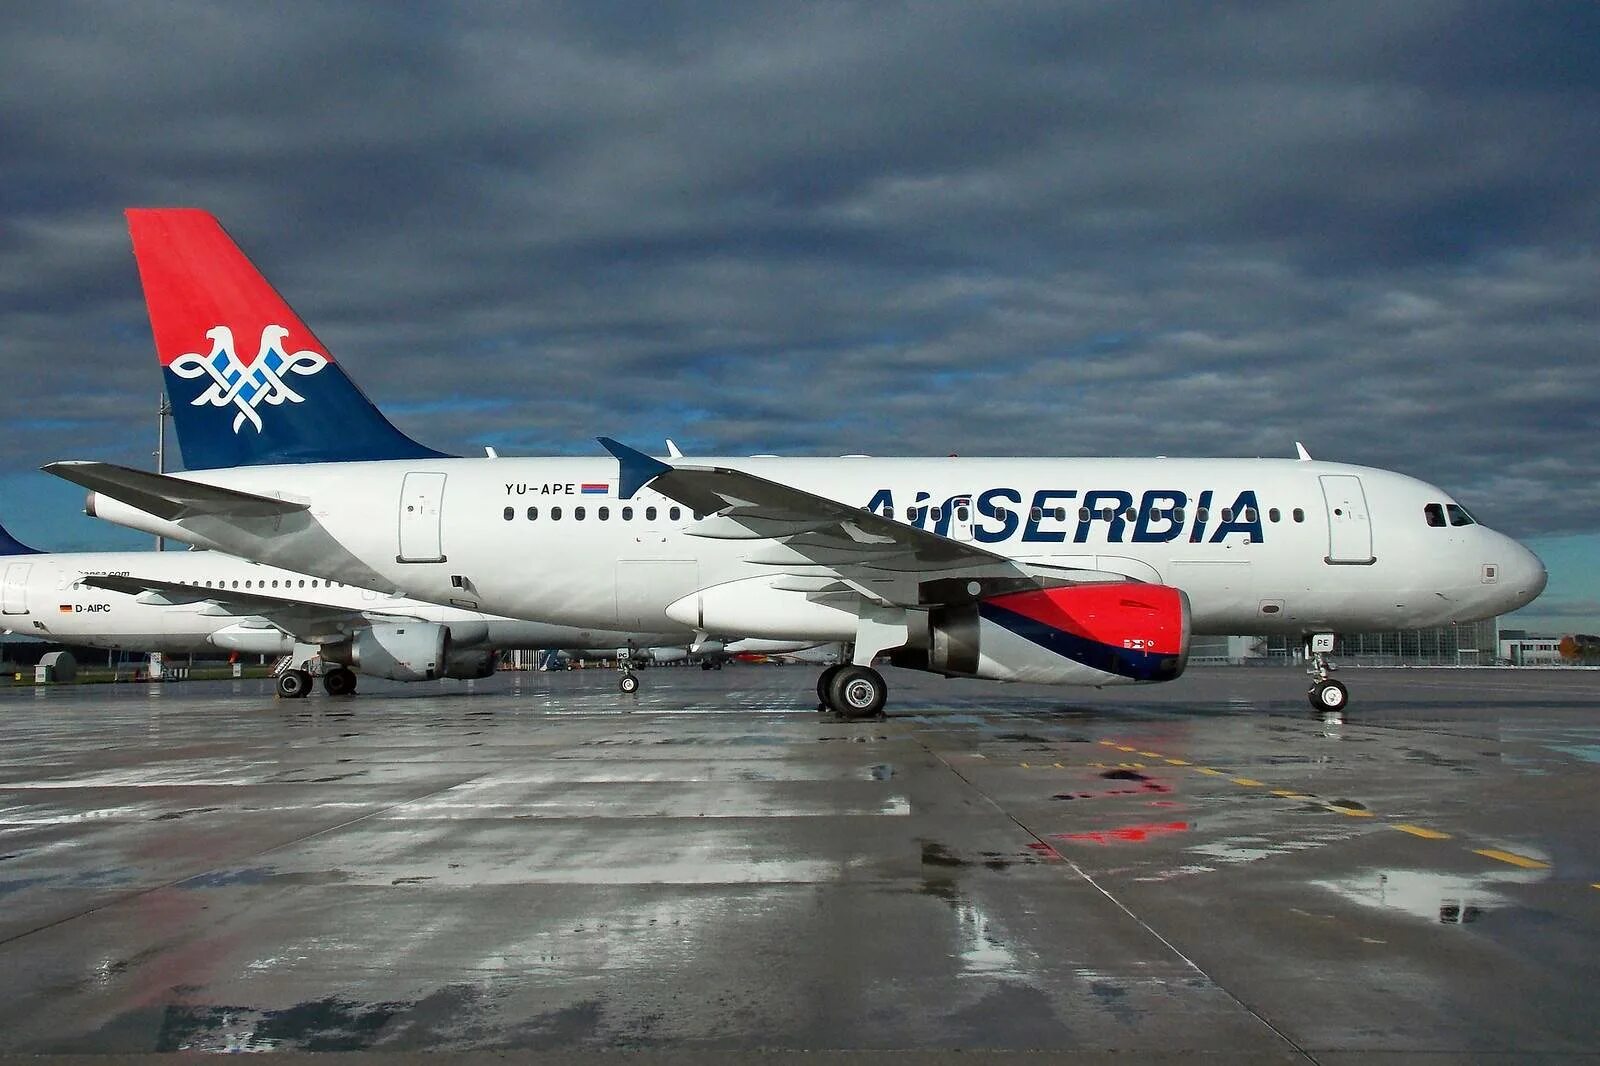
(1193, 870)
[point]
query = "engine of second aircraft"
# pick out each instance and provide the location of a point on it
(399, 651)
(1110, 633)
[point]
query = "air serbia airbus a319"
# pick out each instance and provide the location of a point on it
(1064, 571)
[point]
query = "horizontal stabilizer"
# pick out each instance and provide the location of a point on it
(167, 497)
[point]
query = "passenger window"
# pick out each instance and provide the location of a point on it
(627, 514)
(961, 513)
(274, 583)
(603, 513)
(934, 514)
(1250, 514)
(674, 514)
(313, 582)
(1273, 515)
(555, 514)
(911, 514)
(1083, 514)
(1061, 514)
(1177, 515)
(1227, 514)
(649, 514)
(533, 513)
(1107, 513)
(1299, 515)
(235, 584)
(1458, 515)
(1202, 514)
(302, 582)
(577, 514)
(1035, 514)
(1435, 514)
(511, 512)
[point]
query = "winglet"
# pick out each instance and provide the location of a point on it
(672, 450)
(10, 545)
(635, 469)
(1300, 450)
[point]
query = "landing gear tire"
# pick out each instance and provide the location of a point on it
(824, 680)
(705, 666)
(857, 692)
(628, 683)
(1328, 695)
(294, 684)
(340, 682)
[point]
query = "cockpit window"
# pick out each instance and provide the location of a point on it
(1459, 516)
(1435, 513)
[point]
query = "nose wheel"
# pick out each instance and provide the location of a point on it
(1328, 695)
(1325, 693)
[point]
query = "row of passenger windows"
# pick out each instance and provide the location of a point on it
(602, 514)
(249, 583)
(1457, 515)
(1106, 514)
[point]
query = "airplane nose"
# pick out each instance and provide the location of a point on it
(1525, 576)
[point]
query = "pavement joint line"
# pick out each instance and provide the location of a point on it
(1089, 879)
(1421, 831)
(1511, 857)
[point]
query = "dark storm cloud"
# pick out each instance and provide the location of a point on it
(1140, 229)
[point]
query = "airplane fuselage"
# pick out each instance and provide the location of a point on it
(1258, 545)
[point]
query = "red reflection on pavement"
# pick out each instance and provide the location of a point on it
(1130, 834)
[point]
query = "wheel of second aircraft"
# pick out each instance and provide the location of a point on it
(628, 683)
(340, 682)
(705, 666)
(824, 680)
(857, 692)
(1328, 695)
(294, 684)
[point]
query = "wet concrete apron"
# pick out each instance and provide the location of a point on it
(536, 862)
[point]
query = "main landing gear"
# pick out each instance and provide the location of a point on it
(294, 684)
(852, 692)
(1325, 693)
(339, 682)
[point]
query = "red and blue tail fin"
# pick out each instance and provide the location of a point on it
(10, 545)
(249, 383)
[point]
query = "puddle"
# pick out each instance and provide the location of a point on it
(1444, 899)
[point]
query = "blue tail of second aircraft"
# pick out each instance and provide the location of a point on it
(249, 383)
(10, 545)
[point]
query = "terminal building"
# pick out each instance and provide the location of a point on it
(1468, 644)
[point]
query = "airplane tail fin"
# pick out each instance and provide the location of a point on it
(10, 545)
(249, 383)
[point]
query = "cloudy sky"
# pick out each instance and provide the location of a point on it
(1053, 229)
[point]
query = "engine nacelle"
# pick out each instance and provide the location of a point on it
(400, 651)
(1118, 633)
(470, 665)
(253, 639)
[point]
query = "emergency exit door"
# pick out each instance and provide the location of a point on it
(14, 593)
(1349, 526)
(421, 500)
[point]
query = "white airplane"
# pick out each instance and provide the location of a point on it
(1066, 571)
(202, 601)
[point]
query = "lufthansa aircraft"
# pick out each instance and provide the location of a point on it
(1067, 571)
(201, 601)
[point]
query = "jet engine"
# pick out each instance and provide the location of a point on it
(399, 651)
(1115, 633)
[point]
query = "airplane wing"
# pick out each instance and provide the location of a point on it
(309, 623)
(167, 497)
(813, 531)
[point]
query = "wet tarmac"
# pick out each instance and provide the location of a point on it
(536, 862)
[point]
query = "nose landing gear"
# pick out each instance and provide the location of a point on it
(1325, 693)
